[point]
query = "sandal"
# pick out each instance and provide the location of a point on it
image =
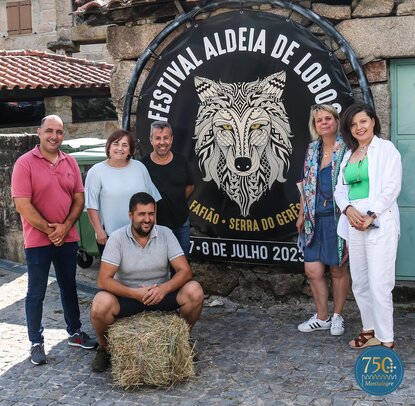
(388, 346)
(363, 340)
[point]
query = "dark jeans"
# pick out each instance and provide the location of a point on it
(182, 234)
(38, 261)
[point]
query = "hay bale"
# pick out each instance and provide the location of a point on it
(150, 348)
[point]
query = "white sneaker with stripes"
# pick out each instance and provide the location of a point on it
(314, 324)
(337, 325)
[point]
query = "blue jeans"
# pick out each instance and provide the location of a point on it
(38, 261)
(182, 234)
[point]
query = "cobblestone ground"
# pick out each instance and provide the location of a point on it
(248, 356)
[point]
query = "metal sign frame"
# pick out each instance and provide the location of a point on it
(189, 17)
(221, 249)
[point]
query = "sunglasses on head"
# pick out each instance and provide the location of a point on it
(316, 107)
(319, 106)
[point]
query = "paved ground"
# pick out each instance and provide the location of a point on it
(248, 356)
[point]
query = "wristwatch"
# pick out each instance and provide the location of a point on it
(372, 214)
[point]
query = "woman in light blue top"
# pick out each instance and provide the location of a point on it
(110, 184)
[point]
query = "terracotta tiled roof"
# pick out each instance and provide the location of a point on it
(93, 4)
(41, 70)
(106, 5)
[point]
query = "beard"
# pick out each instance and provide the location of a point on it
(140, 231)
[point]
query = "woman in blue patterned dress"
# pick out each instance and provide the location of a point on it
(318, 219)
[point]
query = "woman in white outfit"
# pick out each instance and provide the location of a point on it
(367, 191)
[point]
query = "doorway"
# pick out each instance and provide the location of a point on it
(402, 73)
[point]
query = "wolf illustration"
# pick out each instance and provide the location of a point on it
(242, 136)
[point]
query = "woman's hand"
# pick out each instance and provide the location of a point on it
(300, 223)
(102, 237)
(368, 220)
(355, 218)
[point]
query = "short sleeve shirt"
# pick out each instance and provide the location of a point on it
(108, 190)
(142, 266)
(171, 181)
(50, 189)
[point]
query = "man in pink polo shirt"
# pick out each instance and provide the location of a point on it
(48, 194)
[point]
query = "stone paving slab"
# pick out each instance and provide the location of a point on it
(248, 356)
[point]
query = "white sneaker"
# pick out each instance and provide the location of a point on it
(337, 325)
(314, 324)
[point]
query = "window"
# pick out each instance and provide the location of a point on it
(92, 109)
(21, 113)
(19, 17)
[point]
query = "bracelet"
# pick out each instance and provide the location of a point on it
(345, 209)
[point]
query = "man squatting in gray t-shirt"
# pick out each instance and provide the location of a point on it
(134, 275)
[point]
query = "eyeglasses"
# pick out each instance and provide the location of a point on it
(371, 225)
(357, 181)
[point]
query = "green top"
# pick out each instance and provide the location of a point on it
(356, 175)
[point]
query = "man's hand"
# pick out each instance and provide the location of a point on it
(153, 295)
(58, 235)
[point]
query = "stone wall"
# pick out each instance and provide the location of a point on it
(11, 241)
(377, 30)
(16, 141)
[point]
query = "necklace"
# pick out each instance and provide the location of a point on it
(327, 148)
(328, 152)
(364, 148)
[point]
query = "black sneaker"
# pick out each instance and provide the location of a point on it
(37, 354)
(83, 340)
(101, 361)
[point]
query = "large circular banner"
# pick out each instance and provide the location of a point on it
(237, 90)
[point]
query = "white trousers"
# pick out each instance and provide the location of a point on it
(372, 268)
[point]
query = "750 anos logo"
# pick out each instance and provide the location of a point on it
(378, 370)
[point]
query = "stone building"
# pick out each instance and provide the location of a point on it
(50, 25)
(34, 84)
(380, 34)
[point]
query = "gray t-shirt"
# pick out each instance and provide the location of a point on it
(138, 266)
